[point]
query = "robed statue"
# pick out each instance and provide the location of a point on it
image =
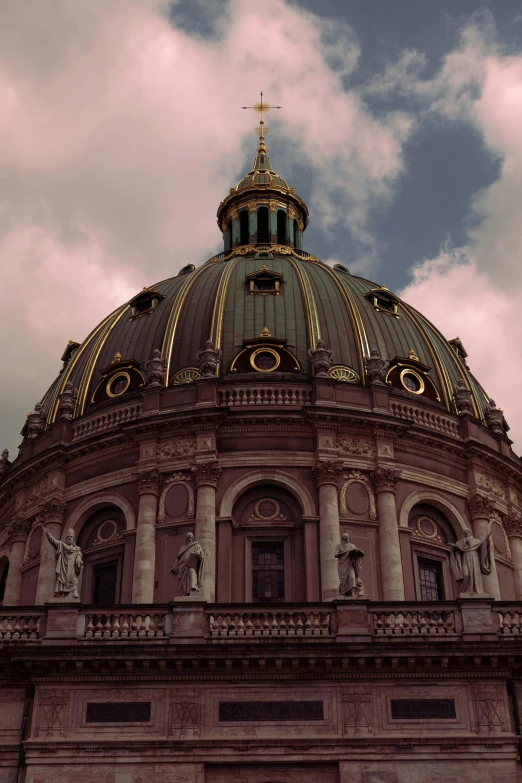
(69, 564)
(470, 558)
(349, 563)
(189, 566)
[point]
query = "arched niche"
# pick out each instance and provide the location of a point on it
(93, 503)
(432, 497)
(267, 476)
(103, 547)
(431, 537)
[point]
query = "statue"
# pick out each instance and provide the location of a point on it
(67, 401)
(470, 558)
(189, 566)
(321, 359)
(376, 368)
(155, 369)
(494, 418)
(349, 563)
(69, 563)
(4, 461)
(462, 397)
(208, 360)
(36, 421)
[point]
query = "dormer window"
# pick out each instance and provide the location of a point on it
(383, 301)
(264, 282)
(145, 302)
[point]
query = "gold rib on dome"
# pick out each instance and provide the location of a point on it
(175, 311)
(216, 328)
(314, 329)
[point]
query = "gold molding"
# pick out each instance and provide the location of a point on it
(108, 387)
(264, 349)
(409, 371)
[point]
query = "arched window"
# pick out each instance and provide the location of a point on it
(281, 227)
(244, 235)
(103, 549)
(432, 534)
(263, 230)
(296, 229)
(4, 570)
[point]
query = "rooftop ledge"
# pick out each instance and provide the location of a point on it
(191, 622)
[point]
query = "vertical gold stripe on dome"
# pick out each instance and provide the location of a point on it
(53, 407)
(216, 326)
(435, 355)
(175, 311)
(314, 328)
(91, 364)
(362, 343)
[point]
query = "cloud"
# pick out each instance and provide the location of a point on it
(119, 136)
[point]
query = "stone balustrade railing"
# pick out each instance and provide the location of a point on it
(269, 394)
(92, 425)
(339, 621)
(273, 624)
(426, 418)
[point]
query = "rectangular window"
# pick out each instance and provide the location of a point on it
(430, 580)
(268, 573)
(104, 583)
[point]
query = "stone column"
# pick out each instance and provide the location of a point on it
(385, 480)
(513, 527)
(51, 518)
(17, 532)
(207, 475)
(327, 474)
(481, 511)
(145, 552)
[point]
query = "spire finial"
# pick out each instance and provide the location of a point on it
(261, 107)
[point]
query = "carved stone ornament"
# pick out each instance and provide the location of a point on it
(376, 368)
(69, 564)
(490, 709)
(148, 481)
(259, 517)
(357, 710)
(176, 479)
(427, 530)
(385, 479)
(359, 447)
(328, 472)
(180, 447)
(492, 485)
(513, 524)
(67, 401)
(321, 359)
(208, 360)
(53, 510)
(462, 397)
(155, 369)
(480, 507)
(18, 529)
(356, 477)
(36, 422)
(207, 473)
(494, 418)
(36, 491)
(4, 462)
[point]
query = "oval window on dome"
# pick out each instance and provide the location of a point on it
(118, 384)
(412, 381)
(265, 360)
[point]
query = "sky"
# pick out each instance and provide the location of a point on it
(121, 131)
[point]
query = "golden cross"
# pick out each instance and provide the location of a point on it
(261, 107)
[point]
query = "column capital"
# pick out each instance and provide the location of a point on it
(148, 481)
(513, 524)
(53, 510)
(18, 529)
(328, 472)
(480, 507)
(385, 479)
(206, 473)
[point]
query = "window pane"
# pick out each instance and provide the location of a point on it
(105, 583)
(268, 573)
(430, 580)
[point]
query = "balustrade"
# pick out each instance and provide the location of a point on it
(19, 627)
(425, 418)
(256, 624)
(137, 625)
(92, 425)
(510, 622)
(265, 395)
(414, 622)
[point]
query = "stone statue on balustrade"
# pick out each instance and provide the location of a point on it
(189, 566)
(349, 563)
(208, 360)
(69, 564)
(376, 368)
(321, 359)
(470, 558)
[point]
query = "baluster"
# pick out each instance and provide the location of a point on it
(291, 625)
(134, 626)
(161, 619)
(89, 631)
(151, 627)
(98, 628)
(240, 626)
(325, 625)
(107, 626)
(266, 625)
(299, 629)
(124, 632)
(308, 625)
(316, 629)
(378, 624)
(282, 625)
(249, 630)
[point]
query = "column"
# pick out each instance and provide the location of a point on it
(481, 511)
(207, 475)
(385, 480)
(17, 532)
(327, 474)
(52, 518)
(145, 552)
(513, 527)
(234, 239)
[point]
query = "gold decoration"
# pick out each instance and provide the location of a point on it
(117, 358)
(265, 349)
(186, 375)
(416, 375)
(340, 372)
(261, 107)
(412, 355)
(114, 378)
(265, 332)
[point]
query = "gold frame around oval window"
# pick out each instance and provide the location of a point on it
(415, 375)
(111, 381)
(264, 349)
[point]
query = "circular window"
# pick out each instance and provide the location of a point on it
(118, 384)
(412, 382)
(265, 360)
